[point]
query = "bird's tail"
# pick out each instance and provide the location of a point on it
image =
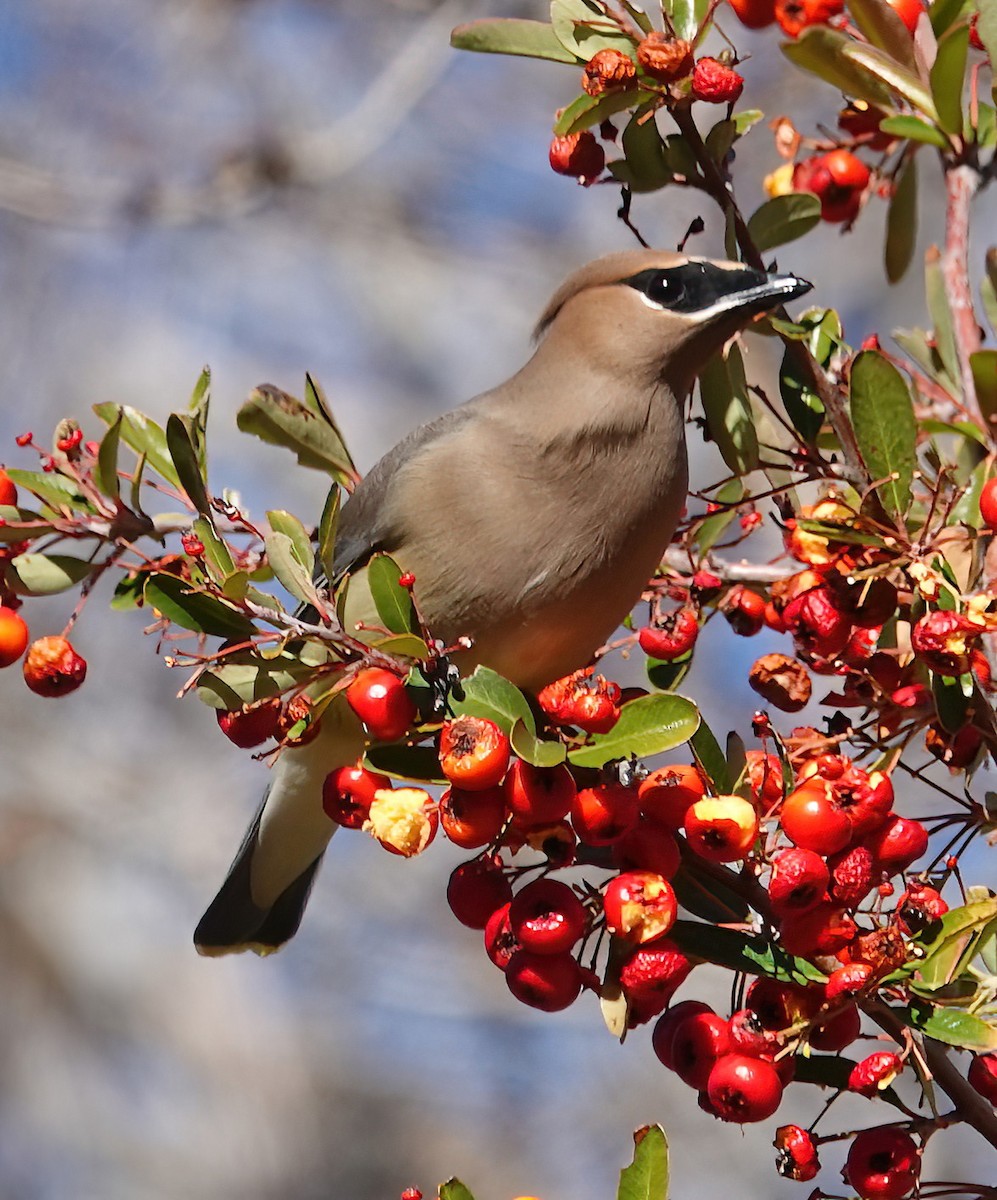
(260, 904)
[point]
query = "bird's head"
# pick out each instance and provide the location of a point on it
(658, 313)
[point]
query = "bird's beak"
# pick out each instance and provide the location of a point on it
(762, 293)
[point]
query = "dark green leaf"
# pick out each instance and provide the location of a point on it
(646, 1178)
(988, 288)
(803, 405)
(645, 168)
(742, 952)
(582, 29)
(128, 593)
(711, 758)
(880, 65)
(184, 458)
(703, 895)
(947, 77)
(648, 725)
(986, 27)
(46, 574)
(901, 223)
(502, 35)
(881, 25)
(106, 471)
(402, 645)
(303, 426)
(686, 16)
(418, 764)
(710, 531)
(392, 601)
(821, 50)
(981, 126)
(783, 219)
(832, 1070)
(217, 559)
(453, 1189)
(883, 416)
(953, 1027)
(914, 129)
(136, 487)
(641, 19)
(720, 139)
(327, 529)
(666, 676)
(724, 393)
(944, 12)
(948, 943)
(984, 364)
(143, 435)
(951, 703)
(587, 110)
(528, 746)
(487, 694)
(174, 599)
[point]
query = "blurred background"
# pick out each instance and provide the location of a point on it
(270, 186)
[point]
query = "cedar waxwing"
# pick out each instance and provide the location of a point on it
(532, 518)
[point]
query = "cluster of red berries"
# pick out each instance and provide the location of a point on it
(52, 667)
(793, 16)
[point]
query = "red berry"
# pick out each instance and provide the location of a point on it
(825, 929)
(696, 1044)
(602, 814)
(922, 903)
(639, 906)
(380, 700)
(743, 1089)
(476, 889)
(585, 700)
(874, 1073)
(900, 842)
(745, 611)
(942, 641)
(652, 975)
(833, 1034)
(8, 490)
(647, 847)
(854, 873)
(608, 70)
(796, 15)
(721, 828)
(248, 727)
(749, 1036)
(547, 917)
(838, 179)
(474, 753)
(799, 881)
(347, 794)
(673, 637)
(755, 14)
(663, 1034)
(883, 1163)
(668, 793)
(797, 1158)
(845, 983)
(909, 11)
(472, 819)
(983, 1076)
(14, 636)
(549, 982)
(500, 941)
(764, 778)
(781, 1005)
(578, 154)
(538, 795)
(665, 57)
(812, 820)
(716, 83)
(52, 667)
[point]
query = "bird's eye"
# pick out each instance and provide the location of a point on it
(664, 288)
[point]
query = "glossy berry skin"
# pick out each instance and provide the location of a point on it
(797, 1158)
(472, 819)
(716, 83)
(600, 815)
(639, 906)
(780, 1005)
(474, 753)
(379, 699)
(500, 941)
(538, 795)
(898, 843)
(550, 982)
(668, 793)
(696, 1045)
(874, 1073)
(811, 820)
(845, 983)
(744, 1089)
(347, 794)
(248, 727)
(53, 668)
(749, 1036)
(663, 1034)
(983, 1076)
(721, 828)
(14, 636)
(578, 155)
(799, 881)
(745, 611)
(8, 490)
(547, 917)
(883, 1163)
(671, 639)
(822, 930)
(476, 889)
(835, 1033)
(909, 11)
(838, 180)
(988, 503)
(652, 975)
(647, 847)
(755, 14)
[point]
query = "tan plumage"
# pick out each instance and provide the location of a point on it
(531, 517)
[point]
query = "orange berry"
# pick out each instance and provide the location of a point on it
(13, 636)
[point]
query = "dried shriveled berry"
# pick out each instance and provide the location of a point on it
(608, 70)
(52, 667)
(781, 681)
(665, 57)
(874, 1073)
(715, 82)
(799, 881)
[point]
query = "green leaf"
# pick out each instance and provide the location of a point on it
(821, 50)
(60, 492)
(143, 435)
(46, 574)
(328, 527)
(949, 943)
(905, 83)
(174, 599)
(184, 458)
(128, 593)
(711, 758)
(720, 139)
(881, 25)
(582, 28)
(724, 392)
(453, 1189)
(217, 559)
(402, 645)
(417, 764)
(288, 568)
(986, 27)
(538, 753)
(984, 365)
(487, 694)
(742, 952)
(136, 488)
(947, 76)
(988, 288)
(304, 427)
(747, 119)
(235, 683)
(885, 427)
(704, 895)
(646, 1178)
(783, 219)
(586, 111)
(803, 406)
(666, 676)
(941, 314)
(10, 533)
(712, 528)
(648, 725)
(686, 16)
(944, 13)
(645, 168)
(915, 129)
(981, 127)
(287, 523)
(901, 223)
(833, 1070)
(392, 601)
(503, 35)
(106, 470)
(953, 1027)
